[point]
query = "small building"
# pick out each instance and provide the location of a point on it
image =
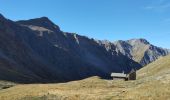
(126, 77)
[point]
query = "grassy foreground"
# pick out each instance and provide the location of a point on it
(153, 83)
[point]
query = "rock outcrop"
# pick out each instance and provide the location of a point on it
(140, 50)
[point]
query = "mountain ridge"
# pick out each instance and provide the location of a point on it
(41, 22)
(40, 52)
(36, 50)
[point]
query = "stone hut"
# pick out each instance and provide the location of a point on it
(132, 75)
(126, 77)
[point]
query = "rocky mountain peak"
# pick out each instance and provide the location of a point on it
(5, 23)
(45, 18)
(41, 22)
(1, 16)
(137, 41)
(140, 50)
(120, 42)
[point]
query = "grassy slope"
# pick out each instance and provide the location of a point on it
(161, 66)
(153, 83)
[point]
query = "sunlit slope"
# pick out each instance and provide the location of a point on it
(153, 81)
(157, 68)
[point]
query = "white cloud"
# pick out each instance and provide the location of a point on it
(160, 5)
(149, 7)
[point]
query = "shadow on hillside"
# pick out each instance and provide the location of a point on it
(28, 81)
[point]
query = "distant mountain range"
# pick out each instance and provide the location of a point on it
(140, 50)
(36, 50)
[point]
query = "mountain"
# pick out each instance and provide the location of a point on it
(140, 50)
(168, 51)
(36, 50)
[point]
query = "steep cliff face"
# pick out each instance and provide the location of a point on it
(37, 50)
(140, 50)
(81, 47)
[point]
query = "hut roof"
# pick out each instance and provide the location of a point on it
(118, 75)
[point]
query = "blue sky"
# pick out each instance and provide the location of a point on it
(100, 19)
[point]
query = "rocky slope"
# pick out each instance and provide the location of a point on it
(37, 50)
(140, 50)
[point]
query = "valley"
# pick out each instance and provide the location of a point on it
(39, 61)
(153, 82)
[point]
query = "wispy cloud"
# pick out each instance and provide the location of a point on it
(159, 5)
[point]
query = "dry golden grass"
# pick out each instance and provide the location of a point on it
(157, 68)
(91, 88)
(153, 83)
